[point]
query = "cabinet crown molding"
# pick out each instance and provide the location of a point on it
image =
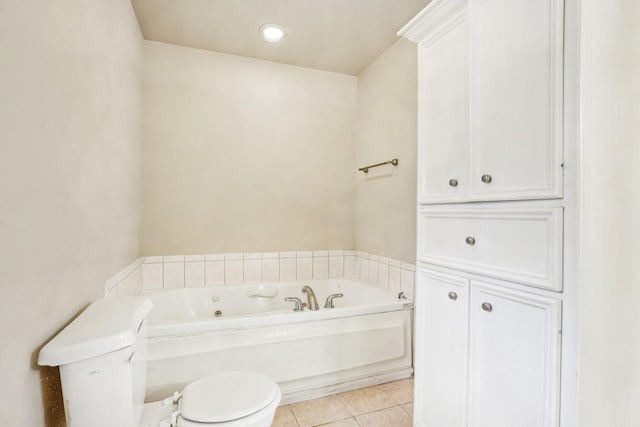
(432, 19)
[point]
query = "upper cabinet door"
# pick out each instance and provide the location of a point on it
(443, 97)
(516, 99)
(490, 109)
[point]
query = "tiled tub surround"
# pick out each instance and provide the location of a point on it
(180, 271)
(225, 272)
(127, 282)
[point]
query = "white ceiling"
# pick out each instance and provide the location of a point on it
(343, 36)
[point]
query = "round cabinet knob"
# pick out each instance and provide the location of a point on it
(486, 178)
(453, 296)
(470, 240)
(453, 182)
(487, 307)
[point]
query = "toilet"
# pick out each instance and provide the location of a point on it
(102, 360)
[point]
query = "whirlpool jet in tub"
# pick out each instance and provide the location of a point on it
(364, 340)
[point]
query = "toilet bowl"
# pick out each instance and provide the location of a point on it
(102, 360)
(229, 399)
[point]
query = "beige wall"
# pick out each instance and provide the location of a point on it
(386, 128)
(610, 230)
(244, 155)
(69, 173)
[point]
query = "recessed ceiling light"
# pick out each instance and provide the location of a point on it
(272, 33)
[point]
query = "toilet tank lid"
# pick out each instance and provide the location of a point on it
(105, 326)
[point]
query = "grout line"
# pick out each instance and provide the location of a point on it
(353, 416)
(403, 408)
(162, 275)
(295, 418)
(345, 405)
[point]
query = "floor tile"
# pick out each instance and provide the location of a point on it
(390, 417)
(409, 408)
(320, 411)
(349, 422)
(284, 417)
(367, 400)
(401, 391)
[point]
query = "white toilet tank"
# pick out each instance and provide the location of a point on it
(101, 355)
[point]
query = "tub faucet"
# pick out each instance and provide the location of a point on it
(296, 301)
(329, 302)
(312, 302)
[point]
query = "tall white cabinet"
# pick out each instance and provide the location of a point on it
(491, 213)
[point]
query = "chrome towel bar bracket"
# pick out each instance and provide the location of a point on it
(393, 162)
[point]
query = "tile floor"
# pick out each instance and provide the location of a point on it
(385, 405)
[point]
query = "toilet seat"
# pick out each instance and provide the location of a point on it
(236, 398)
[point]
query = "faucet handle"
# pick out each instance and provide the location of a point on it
(329, 303)
(297, 301)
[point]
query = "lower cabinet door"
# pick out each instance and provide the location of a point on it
(442, 306)
(514, 358)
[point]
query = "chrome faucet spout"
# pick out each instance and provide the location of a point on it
(312, 302)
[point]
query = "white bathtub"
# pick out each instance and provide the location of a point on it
(364, 340)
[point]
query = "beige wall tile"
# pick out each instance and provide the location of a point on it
(320, 267)
(152, 276)
(252, 271)
(194, 274)
(214, 273)
(173, 275)
(287, 269)
(336, 266)
(233, 272)
(270, 270)
(304, 268)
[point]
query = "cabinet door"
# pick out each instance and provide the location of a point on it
(442, 306)
(443, 97)
(516, 99)
(514, 358)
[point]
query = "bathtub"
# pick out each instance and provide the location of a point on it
(365, 340)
